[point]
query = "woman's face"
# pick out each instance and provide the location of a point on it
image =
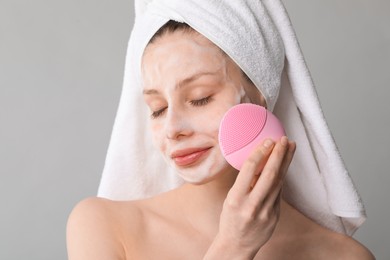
(188, 86)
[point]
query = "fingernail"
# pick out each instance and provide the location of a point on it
(268, 143)
(284, 140)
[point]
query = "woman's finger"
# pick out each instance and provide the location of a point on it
(274, 194)
(287, 161)
(252, 167)
(271, 172)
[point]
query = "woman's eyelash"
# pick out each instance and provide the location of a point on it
(158, 113)
(197, 103)
(201, 102)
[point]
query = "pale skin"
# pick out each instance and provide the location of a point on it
(219, 213)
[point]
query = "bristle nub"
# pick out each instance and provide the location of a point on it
(240, 125)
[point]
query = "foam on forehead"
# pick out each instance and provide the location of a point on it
(258, 52)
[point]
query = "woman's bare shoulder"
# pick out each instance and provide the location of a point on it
(309, 240)
(96, 226)
(348, 248)
(323, 243)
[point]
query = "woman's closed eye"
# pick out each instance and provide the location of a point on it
(201, 102)
(196, 103)
(158, 113)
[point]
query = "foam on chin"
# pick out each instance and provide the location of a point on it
(206, 170)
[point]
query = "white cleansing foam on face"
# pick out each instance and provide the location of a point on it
(243, 128)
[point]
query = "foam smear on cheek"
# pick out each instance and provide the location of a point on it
(238, 97)
(213, 118)
(215, 163)
(243, 95)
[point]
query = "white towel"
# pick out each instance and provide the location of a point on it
(259, 37)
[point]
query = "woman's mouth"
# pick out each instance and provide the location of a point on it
(189, 156)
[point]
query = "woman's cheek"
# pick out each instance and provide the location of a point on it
(234, 97)
(209, 120)
(157, 135)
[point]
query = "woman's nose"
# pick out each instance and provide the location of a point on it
(177, 125)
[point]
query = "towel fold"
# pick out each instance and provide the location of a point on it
(259, 37)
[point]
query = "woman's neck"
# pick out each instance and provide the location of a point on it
(212, 193)
(202, 203)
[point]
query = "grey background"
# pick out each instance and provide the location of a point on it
(61, 69)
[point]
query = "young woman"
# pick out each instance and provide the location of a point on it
(280, 205)
(219, 213)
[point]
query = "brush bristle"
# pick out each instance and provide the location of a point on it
(240, 126)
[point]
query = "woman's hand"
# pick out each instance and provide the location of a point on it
(251, 209)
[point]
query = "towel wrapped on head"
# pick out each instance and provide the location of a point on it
(259, 37)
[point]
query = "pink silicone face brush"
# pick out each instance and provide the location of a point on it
(244, 127)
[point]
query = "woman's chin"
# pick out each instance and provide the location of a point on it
(204, 174)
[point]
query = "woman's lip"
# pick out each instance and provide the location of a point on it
(188, 156)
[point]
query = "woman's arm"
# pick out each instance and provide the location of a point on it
(90, 234)
(251, 210)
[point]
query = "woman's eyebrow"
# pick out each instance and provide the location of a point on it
(194, 77)
(182, 82)
(150, 92)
